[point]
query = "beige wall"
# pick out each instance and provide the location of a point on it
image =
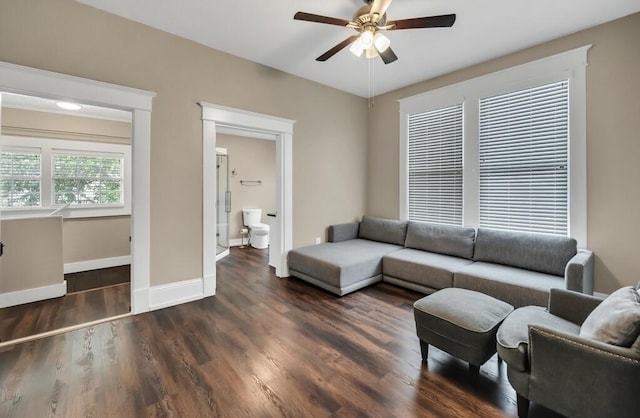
(613, 142)
(329, 143)
(86, 239)
(22, 122)
(32, 255)
(251, 159)
(336, 172)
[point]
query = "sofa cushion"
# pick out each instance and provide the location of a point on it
(513, 335)
(340, 263)
(383, 230)
(616, 320)
(343, 232)
(513, 285)
(442, 239)
(421, 267)
(538, 252)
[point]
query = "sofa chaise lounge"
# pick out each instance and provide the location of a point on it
(518, 268)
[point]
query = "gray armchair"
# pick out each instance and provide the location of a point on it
(548, 363)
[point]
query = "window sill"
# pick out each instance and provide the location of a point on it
(69, 213)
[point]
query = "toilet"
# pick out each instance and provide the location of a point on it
(258, 232)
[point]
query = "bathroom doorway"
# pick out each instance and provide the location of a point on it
(252, 183)
(218, 119)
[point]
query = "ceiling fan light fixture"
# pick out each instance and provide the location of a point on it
(366, 38)
(381, 42)
(68, 106)
(356, 48)
(371, 52)
(368, 21)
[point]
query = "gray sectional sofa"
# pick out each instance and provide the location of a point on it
(518, 268)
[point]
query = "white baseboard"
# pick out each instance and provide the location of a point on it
(237, 242)
(101, 263)
(175, 293)
(33, 295)
(209, 286)
(140, 300)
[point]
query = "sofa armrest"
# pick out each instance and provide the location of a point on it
(343, 232)
(572, 306)
(581, 377)
(578, 274)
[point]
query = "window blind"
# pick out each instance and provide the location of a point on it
(435, 166)
(523, 149)
(87, 180)
(19, 179)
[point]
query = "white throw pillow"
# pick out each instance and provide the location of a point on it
(616, 320)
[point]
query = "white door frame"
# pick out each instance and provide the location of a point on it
(221, 119)
(34, 82)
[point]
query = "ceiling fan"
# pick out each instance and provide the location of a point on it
(368, 21)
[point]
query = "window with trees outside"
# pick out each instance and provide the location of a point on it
(513, 159)
(85, 178)
(20, 178)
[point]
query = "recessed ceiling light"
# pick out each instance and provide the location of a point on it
(69, 106)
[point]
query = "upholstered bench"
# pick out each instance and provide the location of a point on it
(461, 322)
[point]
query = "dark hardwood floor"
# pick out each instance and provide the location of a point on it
(262, 347)
(72, 309)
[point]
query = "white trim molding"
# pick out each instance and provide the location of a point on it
(101, 263)
(21, 297)
(216, 118)
(175, 293)
(35, 82)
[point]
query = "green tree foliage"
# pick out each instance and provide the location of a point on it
(77, 179)
(83, 180)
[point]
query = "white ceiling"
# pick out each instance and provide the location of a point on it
(265, 32)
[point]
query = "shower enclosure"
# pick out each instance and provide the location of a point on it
(223, 203)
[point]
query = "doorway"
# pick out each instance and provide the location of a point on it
(222, 119)
(30, 81)
(66, 200)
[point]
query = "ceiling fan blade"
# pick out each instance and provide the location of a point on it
(330, 53)
(379, 7)
(310, 17)
(388, 56)
(443, 21)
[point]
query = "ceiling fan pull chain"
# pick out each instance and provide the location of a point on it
(372, 82)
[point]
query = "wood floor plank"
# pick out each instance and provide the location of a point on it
(72, 309)
(262, 347)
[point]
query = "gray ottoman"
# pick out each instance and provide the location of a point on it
(461, 322)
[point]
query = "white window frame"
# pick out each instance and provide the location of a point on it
(569, 65)
(50, 147)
